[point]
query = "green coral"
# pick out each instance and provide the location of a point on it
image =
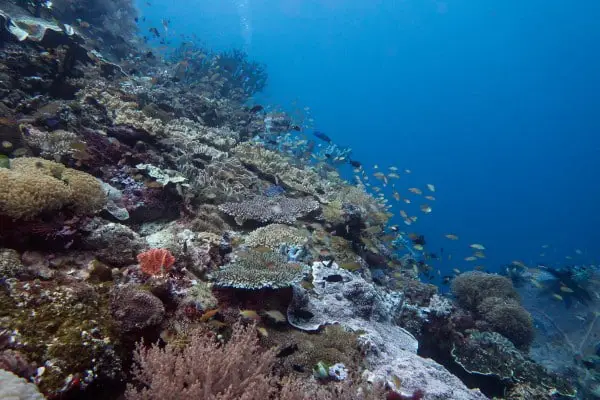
(65, 327)
(259, 270)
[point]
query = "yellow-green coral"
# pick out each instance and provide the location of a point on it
(34, 185)
(276, 234)
(65, 327)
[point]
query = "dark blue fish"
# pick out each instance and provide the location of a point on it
(322, 136)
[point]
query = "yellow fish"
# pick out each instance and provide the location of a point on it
(396, 196)
(209, 314)
(393, 175)
(451, 236)
(250, 314)
(403, 214)
(456, 271)
(537, 284)
(477, 246)
(425, 208)
(418, 247)
(276, 316)
(415, 190)
(557, 297)
(479, 254)
(431, 187)
(262, 331)
(408, 221)
(566, 289)
(519, 264)
(393, 169)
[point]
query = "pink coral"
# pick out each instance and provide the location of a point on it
(156, 261)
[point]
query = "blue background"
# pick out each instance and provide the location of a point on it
(497, 103)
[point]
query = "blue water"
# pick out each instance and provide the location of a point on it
(496, 103)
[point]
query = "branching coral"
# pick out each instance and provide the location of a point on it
(266, 209)
(258, 270)
(49, 144)
(281, 170)
(205, 369)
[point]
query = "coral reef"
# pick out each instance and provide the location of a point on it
(147, 199)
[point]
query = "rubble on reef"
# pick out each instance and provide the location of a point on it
(141, 204)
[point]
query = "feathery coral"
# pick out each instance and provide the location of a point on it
(156, 261)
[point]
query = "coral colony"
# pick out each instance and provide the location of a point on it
(162, 239)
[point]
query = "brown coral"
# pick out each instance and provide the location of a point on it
(34, 185)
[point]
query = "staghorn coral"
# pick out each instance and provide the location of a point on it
(258, 270)
(264, 209)
(204, 369)
(275, 235)
(34, 185)
(221, 180)
(220, 138)
(281, 170)
(123, 112)
(54, 144)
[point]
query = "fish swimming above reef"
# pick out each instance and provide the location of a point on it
(322, 136)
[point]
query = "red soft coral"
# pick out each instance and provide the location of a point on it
(156, 261)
